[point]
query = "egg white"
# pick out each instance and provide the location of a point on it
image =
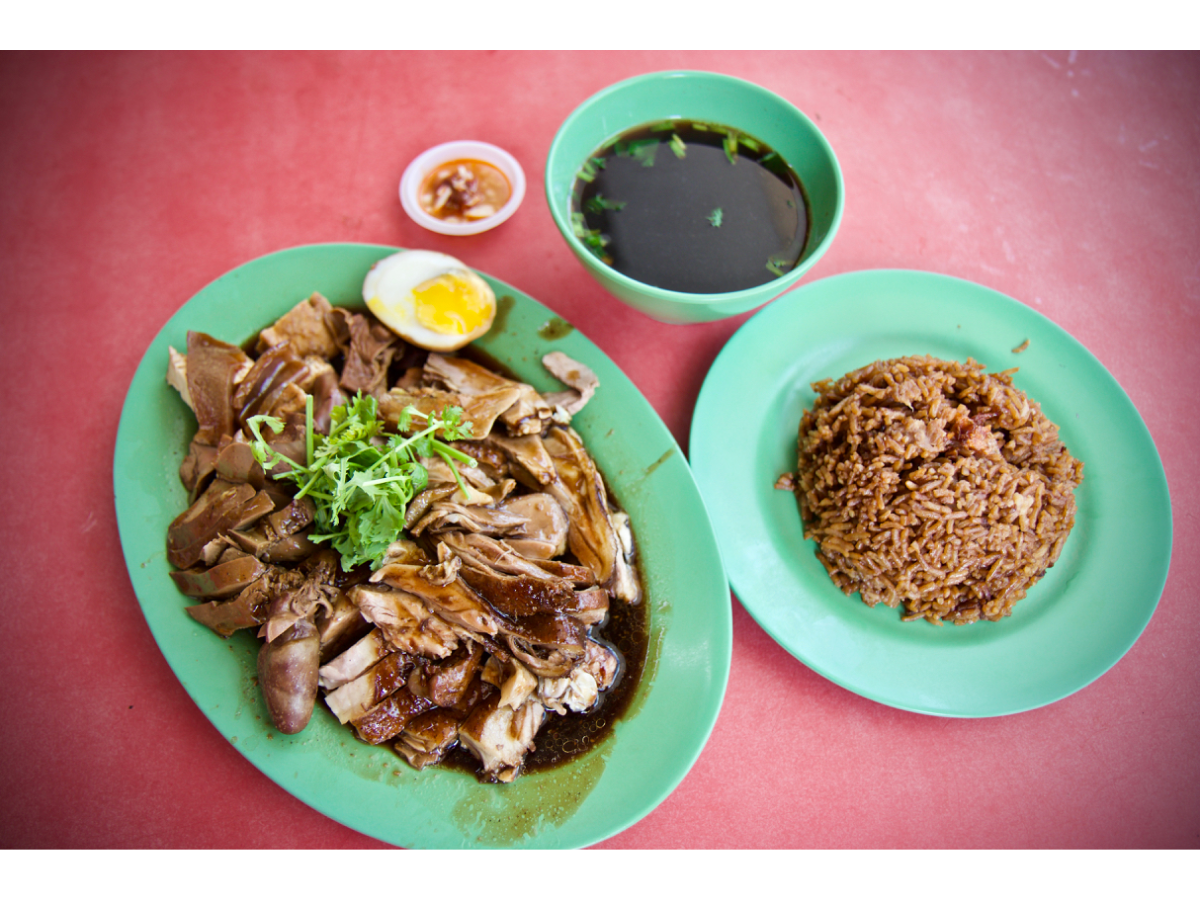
(389, 290)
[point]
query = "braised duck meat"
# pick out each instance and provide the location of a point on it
(482, 619)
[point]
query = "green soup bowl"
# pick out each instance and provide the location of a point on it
(706, 97)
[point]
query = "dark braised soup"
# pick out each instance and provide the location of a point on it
(691, 206)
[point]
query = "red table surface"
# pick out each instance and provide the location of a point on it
(1070, 181)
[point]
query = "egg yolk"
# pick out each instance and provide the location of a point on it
(449, 305)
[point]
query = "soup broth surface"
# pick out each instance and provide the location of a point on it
(691, 206)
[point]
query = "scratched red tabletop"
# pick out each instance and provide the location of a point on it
(1066, 180)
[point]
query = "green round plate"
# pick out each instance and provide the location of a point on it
(1073, 625)
(369, 788)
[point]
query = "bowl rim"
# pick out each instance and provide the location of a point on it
(410, 183)
(664, 295)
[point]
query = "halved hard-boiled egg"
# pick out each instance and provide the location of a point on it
(430, 299)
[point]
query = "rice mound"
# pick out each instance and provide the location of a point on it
(934, 485)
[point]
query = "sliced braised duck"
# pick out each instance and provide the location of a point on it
(581, 380)
(527, 414)
(482, 616)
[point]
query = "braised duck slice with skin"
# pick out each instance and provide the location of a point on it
(501, 737)
(446, 682)
(503, 557)
(441, 492)
(446, 515)
(351, 663)
(406, 622)
(517, 596)
(306, 327)
(427, 738)
(546, 529)
(527, 459)
(444, 592)
(386, 719)
(579, 378)
(265, 386)
(528, 414)
(534, 524)
(480, 410)
(355, 698)
(581, 492)
(516, 586)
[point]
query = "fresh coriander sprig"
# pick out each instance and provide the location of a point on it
(359, 478)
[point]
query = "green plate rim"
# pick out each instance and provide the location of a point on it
(1074, 625)
(370, 789)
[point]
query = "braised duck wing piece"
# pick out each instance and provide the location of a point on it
(527, 415)
(581, 380)
(406, 622)
(501, 736)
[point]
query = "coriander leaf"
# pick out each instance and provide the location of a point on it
(599, 203)
(361, 481)
(776, 265)
(731, 143)
(715, 217)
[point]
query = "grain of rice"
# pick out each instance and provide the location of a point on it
(934, 485)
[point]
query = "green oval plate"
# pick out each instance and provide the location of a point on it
(1074, 624)
(369, 788)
